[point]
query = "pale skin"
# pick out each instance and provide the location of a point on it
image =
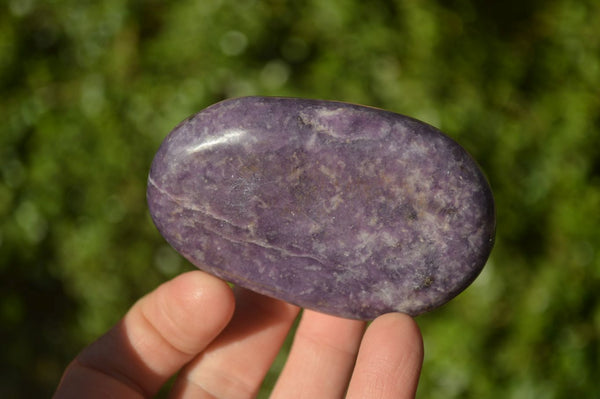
(223, 341)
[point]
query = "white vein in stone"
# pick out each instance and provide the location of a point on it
(261, 244)
(186, 205)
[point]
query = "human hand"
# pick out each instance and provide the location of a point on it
(224, 342)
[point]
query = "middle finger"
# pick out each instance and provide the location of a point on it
(234, 365)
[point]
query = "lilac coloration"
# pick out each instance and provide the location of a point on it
(345, 209)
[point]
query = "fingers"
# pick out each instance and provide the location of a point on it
(163, 331)
(389, 361)
(235, 364)
(184, 322)
(321, 359)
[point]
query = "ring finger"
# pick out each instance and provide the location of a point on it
(321, 359)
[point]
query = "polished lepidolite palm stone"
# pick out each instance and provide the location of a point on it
(345, 209)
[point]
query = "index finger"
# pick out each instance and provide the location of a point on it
(163, 331)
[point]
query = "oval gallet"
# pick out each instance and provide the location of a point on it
(345, 209)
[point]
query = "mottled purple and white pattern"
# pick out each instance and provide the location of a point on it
(341, 208)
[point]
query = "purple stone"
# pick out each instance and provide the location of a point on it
(345, 209)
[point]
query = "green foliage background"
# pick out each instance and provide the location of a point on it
(90, 88)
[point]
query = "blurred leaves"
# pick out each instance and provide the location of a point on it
(89, 90)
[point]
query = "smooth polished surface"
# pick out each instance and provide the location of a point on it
(345, 209)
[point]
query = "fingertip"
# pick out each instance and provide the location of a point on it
(196, 289)
(389, 360)
(190, 310)
(321, 358)
(400, 331)
(162, 332)
(399, 326)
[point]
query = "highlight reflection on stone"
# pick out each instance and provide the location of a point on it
(340, 208)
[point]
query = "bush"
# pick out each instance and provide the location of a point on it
(89, 90)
